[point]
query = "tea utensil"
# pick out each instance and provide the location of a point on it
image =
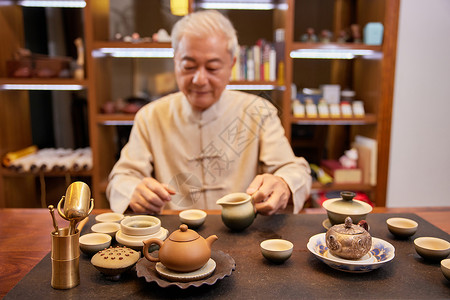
(82, 223)
(51, 208)
(76, 204)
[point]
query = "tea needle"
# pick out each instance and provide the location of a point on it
(52, 213)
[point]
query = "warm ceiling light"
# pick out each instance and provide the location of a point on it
(118, 123)
(330, 53)
(250, 5)
(136, 52)
(253, 87)
(53, 3)
(51, 87)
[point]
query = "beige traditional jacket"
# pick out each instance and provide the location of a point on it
(206, 155)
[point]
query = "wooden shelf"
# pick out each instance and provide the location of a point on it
(11, 173)
(43, 81)
(367, 120)
(114, 118)
(119, 44)
(372, 80)
(348, 186)
(333, 46)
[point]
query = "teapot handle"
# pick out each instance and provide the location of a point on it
(147, 244)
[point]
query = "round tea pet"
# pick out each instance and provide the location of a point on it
(114, 261)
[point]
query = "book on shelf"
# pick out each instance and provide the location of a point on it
(341, 174)
(367, 158)
(256, 63)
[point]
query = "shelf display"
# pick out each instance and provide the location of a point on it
(367, 68)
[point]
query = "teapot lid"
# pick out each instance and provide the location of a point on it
(347, 205)
(183, 234)
(348, 227)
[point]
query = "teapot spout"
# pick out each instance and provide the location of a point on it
(211, 239)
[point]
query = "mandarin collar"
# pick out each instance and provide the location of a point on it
(201, 117)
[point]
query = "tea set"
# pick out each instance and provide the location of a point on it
(186, 258)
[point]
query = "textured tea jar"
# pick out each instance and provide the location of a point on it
(238, 211)
(348, 241)
(65, 259)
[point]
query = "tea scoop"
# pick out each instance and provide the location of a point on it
(76, 204)
(51, 208)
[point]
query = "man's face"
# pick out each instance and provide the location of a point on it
(202, 68)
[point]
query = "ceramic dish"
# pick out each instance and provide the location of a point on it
(91, 243)
(109, 228)
(109, 217)
(402, 227)
(225, 265)
(193, 218)
(326, 224)
(135, 242)
(201, 273)
(140, 225)
(380, 253)
(432, 248)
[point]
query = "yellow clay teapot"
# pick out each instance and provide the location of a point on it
(184, 251)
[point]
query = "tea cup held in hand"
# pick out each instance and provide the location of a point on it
(276, 250)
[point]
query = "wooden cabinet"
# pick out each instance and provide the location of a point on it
(16, 102)
(109, 77)
(371, 78)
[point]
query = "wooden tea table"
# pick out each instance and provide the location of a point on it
(25, 244)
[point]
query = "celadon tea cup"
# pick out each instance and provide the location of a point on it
(238, 211)
(276, 250)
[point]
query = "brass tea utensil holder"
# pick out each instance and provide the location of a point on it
(65, 259)
(65, 254)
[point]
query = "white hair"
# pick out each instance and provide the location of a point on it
(204, 23)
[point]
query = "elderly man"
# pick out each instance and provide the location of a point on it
(188, 149)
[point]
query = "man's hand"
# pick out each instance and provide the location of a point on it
(270, 193)
(149, 196)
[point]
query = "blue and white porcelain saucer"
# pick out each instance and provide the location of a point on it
(380, 253)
